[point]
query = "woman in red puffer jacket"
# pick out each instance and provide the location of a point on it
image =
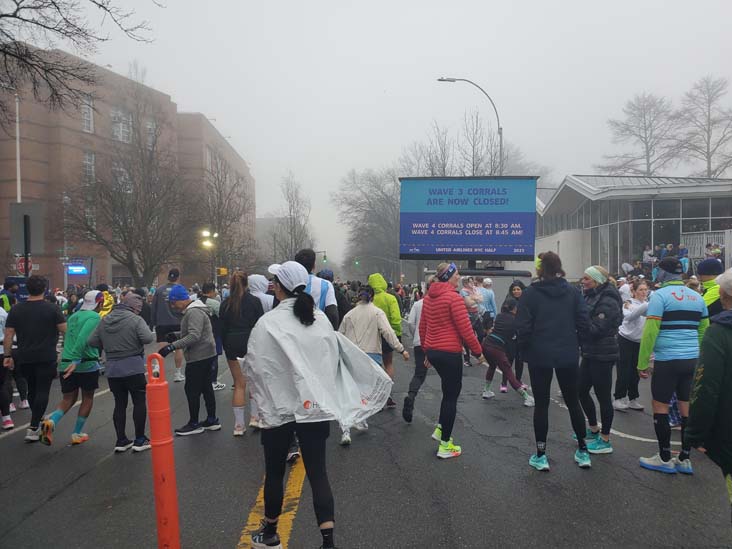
(443, 329)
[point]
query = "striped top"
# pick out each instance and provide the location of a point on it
(680, 311)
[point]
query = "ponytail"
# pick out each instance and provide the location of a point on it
(304, 308)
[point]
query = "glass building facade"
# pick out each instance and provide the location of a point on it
(620, 229)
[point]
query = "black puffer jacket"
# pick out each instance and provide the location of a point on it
(606, 315)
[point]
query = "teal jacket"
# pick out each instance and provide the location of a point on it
(79, 327)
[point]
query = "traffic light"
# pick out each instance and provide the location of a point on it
(356, 262)
(222, 271)
(325, 258)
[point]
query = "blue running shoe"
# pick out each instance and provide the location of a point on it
(539, 463)
(582, 457)
(599, 446)
(683, 466)
(589, 435)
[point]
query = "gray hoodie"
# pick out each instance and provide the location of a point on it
(123, 336)
(196, 333)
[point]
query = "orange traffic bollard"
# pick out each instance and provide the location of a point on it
(163, 459)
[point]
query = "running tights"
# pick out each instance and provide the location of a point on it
(600, 376)
(6, 390)
(497, 358)
(39, 377)
(122, 388)
(198, 382)
(312, 437)
(541, 382)
(449, 366)
(20, 383)
(420, 372)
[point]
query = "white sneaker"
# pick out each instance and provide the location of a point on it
(33, 435)
(655, 463)
(178, 375)
(346, 438)
(635, 405)
(218, 386)
(619, 405)
(363, 426)
(24, 405)
(12, 407)
(239, 430)
(683, 466)
(529, 402)
(488, 395)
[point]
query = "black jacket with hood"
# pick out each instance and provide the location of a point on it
(552, 319)
(605, 307)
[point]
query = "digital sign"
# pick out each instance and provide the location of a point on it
(467, 218)
(77, 270)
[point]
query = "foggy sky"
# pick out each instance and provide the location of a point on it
(323, 87)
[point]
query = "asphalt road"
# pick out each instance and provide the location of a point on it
(390, 489)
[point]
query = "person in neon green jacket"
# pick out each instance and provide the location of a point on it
(387, 303)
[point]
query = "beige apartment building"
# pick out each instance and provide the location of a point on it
(58, 149)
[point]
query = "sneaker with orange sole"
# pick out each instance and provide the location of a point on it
(79, 438)
(47, 427)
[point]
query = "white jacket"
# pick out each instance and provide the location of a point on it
(413, 321)
(309, 374)
(365, 325)
(634, 319)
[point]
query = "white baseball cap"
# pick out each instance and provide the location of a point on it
(290, 274)
(91, 299)
(487, 281)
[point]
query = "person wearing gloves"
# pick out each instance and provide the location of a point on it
(708, 271)
(292, 338)
(389, 304)
(366, 325)
(123, 334)
(199, 349)
(710, 413)
(629, 337)
(78, 369)
(258, 287)
(599, 353)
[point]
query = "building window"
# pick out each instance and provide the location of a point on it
(604, 212)
(586, 215)
(594, 214)
(624, 251)
(121, 125)
(594, 246)
(724, 224)
(614, 213)
(640, 237)
(640, 209)
(623, 210)
(151, 134)
(722, 207)
(614, 252)
(694, 225)
(666, 209)
(697, 207)
(666, 232)
(604, 246)
(121, 178)
(88, 170)
(87, 114)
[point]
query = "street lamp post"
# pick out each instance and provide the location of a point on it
(209, 243)
(498, 119)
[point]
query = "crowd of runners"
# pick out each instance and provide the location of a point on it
(677, 328)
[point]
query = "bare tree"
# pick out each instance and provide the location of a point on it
(439, 152)
(651, 128)
(293, 231)
(133, 204)
(53, 77)
(706, 126)
(229, 210)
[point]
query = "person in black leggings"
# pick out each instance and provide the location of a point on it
(552, 318)
(599, 354)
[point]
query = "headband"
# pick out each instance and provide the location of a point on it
(446, 275)
(594, 273)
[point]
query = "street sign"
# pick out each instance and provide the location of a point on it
(20, 265)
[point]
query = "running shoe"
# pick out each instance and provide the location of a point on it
(408, 409)
(539, 463)
(141, 444)
(24, 405)
(635, 405)
(390, 404)
(437, 433)
(254, 424)
(467, 364)
(33, 435)
(8, 424)
(211, 424)
(583, 459)
(448, 450)
(504, 388)
(47, 427)
(620, 405)
(293, 455)
(346, 438)
(189, 429)
(79, 438)
(655, 463)
(589, 436)
(218, 386)
(683, 466)
(262, 540)
(178, 375)
(362, 426)
(12, 408)
(123, 445)
(239, 430)
(524, 386)
(599, 446)
(529, 402)
(487, 395)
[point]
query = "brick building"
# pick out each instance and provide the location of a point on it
(58, 149)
